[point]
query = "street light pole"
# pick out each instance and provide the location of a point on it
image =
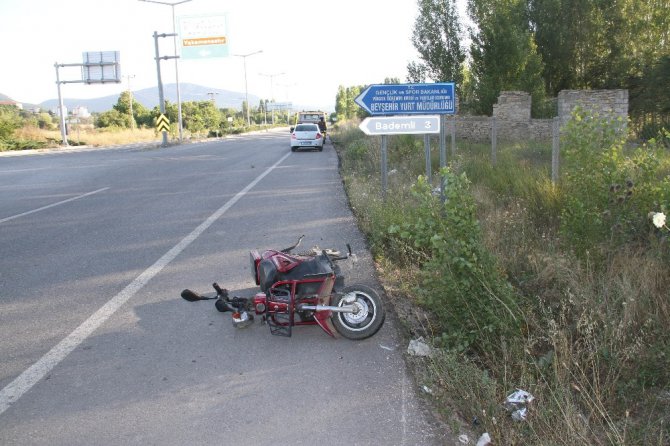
(176, 59)
(246, 89)
(272, 76)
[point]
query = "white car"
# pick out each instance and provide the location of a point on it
(306, 136)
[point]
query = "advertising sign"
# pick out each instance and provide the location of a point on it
(203, 36)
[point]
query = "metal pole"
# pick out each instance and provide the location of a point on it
(443, 154)
(384, 165)
(443, 141)
(494, 141)
(272, 76)
(130, 97)
(453, 136)
(161, 100)
(246, 89)
(429, 167)
(176, 72)
(555, 149)
(61, 106)
(176, 59)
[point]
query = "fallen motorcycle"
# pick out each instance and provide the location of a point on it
(302, 289)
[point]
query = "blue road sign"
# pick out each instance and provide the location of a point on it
(405, 99)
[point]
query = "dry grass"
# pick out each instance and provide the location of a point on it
(89, 136)
(594, 351)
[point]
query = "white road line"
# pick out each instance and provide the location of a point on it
(33, 374)
(52, 205)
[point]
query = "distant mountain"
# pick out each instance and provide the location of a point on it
(149, 98)
(26, 106)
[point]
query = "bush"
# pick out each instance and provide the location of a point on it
(460, 281)
(10, 120)
(20, 144)
(608, 188)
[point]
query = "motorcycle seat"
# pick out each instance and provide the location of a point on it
(311, 268)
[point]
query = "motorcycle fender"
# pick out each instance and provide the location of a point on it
(323, 319)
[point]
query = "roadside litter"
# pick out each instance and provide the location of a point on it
(418, 347)
(517, 404)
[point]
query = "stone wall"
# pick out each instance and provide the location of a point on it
(513, 121)
(513, 106)
(478, 128)
(612, 103)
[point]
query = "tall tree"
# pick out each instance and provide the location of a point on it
(437, 37)
(504, 53)
(345, 107)
(596, 43)
(141, 114)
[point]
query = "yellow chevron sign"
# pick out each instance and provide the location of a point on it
(163, 124)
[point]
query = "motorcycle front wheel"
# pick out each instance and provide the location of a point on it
(368, 318)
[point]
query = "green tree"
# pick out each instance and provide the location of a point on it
(598, 44)
(345, 107)
(9, 120)
(437, 38)
(504, 53)
(141, 114)
(46, 121)
(112, 118)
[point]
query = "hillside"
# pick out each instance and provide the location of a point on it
(149, 98)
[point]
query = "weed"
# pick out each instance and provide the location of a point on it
(559, 289)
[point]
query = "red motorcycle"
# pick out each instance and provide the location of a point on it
(302, 289)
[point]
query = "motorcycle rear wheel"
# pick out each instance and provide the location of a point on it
(369, 318)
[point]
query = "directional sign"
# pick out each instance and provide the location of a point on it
(400, 125)
(162, 123)
(279, 105)
(405, 99)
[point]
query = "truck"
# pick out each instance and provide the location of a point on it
(312, 116)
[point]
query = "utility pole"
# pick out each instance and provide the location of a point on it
(130, 98)
(246, 88)
(176, 59)
(272, 76)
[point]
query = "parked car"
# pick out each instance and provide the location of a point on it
(306, 136)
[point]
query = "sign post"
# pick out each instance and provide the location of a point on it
(98, 67)
(430, 102)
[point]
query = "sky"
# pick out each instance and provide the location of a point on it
(308, 48)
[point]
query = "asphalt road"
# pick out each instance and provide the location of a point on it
(96, 345)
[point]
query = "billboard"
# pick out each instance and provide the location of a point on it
(203, 36)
